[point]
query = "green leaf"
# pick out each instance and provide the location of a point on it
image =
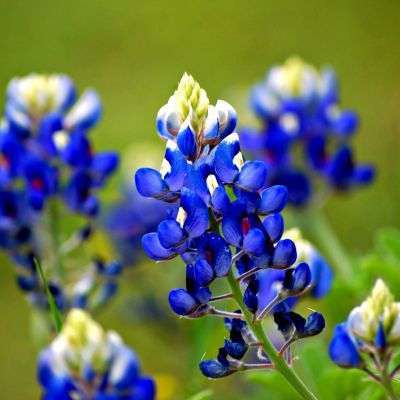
(53, 307)
(389, 240)
(203, 395)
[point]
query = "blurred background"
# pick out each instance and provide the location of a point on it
(134, 53)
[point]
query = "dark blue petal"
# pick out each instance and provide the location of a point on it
(196, 221)
(149, 183)
(145, 389)
(380, 339)
(78, 152)
(182, 302)
(252, 176)
(297, 279)
(236, 350)
(104, 164)
(273, 200)
(178, 166)
(214, 369)
(203, 272)
(170, 234)
(253, 242)
(220, 200)
(315, 324)
(232, 228)
(343, 350)
(153, 248)
(186, 139)
(251, 140)
(364, 174)
(345, 123)
(274, 226)
(284, 254)
(228, 159)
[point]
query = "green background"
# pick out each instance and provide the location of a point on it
(133, 53)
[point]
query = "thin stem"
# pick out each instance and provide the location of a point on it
(279, 364)
(394, 372)
(286, 345)
(236, 257)
(267, 309)
(224, 314)
(245, 275)
(55, 237)
(322, 233)
(258, 366)
(372, 375)
(221, 297)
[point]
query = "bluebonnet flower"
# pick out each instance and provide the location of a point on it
(85, 362)
(223, 216)
(305, 135)
(370, 338)
(48, 167)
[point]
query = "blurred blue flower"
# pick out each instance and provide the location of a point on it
(49, 171)
(86, 362)
(305, 135)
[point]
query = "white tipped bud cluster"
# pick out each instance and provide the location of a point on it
(37, 94)
(83, 342)
(191, 101)
(378, 308)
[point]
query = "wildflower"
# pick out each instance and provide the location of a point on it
(49, 166)
(370, 337)
(86, 362)
(224, 216)
(305, 135)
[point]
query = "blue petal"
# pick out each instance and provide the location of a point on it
(251, 140)
(153, 248)
(343, 351)
(227, 118)
(273, 200)
(346, 123)
(315, 324)
(178, 167)
(212, 125)
(364, 174)
(232, 228)
(322, 276)
(253, 242)
(186, 139)
(161, 122)
(105, 163)
(380, 339)
(274, 226)
(284, 254)
(297, 279)
(182, 302)
(220, 200)
(149, 183)
(124, 369)
(145, 389)
(203, 272)
(196, 222)
(252, 176)
(78, 152)
(214, 369)
(86, 112)
(170, 234)
(224, 156)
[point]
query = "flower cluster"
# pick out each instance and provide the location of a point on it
(305, 135)
(222, 204)
(85, 362)
(370, 337)
(50, 174)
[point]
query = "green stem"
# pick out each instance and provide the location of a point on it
(320, 230)
(279, 363)
(387, 384)
(55, 238)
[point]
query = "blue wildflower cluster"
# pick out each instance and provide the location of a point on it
(50, 175)
(222, 204)
(85, 362)
(369, 340)
(305, 135)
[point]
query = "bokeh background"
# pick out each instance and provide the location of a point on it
(133, 53)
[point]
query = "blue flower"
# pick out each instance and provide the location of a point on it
(86, 361)
(305, 134)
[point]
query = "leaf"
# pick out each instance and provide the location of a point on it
(389, 240)
(53, 307)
